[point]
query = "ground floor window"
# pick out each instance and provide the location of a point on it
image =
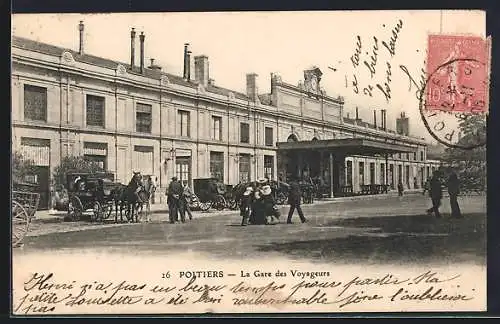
(400, 173)
(372, 173)
(269, 166)
(348, 178)
(407, 176)
(183, 169)
(392, 177)
(217, 165)
(244, 166)
(361, 173)
(382, 173)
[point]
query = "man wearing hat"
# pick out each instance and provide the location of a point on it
(174, 193)
(245, 205)
(294, 197)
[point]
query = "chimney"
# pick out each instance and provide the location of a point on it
(81, 28)
(252, 90)
(153, 66)
(188, 59)
(201, 70)
(132, 48)
(185, 72)
(141, 39)
(357, 115)
(375, 118)
(403, 125)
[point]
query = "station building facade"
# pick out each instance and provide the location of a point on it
(130, 117)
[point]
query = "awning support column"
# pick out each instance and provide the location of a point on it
(331, 175)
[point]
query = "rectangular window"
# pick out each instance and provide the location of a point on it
(244, 167)
(428, 173)
(400, 173)
(35, 103)
(143, 118)
(269, 166)
(414, 156)
(217, 165)
(407, 174)
(183, 169)
(382, 173)
(392, 177)
(361, 173)
(372, 173)
(348, 178)
(183, 123)
(216, 128)
(95, 111)
(421, 155)
(399, 155)
(96, 152)
(244, 133)
(269, 141)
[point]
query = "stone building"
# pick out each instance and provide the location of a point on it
(132, 117)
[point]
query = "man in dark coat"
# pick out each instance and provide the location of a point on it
(454, 190)
(436, 194)
(174, 193)
(294, 197)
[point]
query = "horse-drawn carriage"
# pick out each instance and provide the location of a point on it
(24, 206)
(90, 191)
(210, 193)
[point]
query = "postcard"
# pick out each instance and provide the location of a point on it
(249, 162)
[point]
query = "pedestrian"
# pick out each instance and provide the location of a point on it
(182, 202)
(294, 197)
(400, 188)
(436, 194)
(246, 205)
(271, 211)
(174, 192)
(453, 191)
(258, 214)
(186, 201)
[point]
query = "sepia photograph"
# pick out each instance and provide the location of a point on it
(249, 162)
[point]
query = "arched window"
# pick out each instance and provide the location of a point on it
(314, 139)
(292, 138)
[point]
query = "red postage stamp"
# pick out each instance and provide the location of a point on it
(458, 73)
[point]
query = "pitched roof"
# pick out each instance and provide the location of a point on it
(35, 46)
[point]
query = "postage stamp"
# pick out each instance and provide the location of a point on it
(458, 70)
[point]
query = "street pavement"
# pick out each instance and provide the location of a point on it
(383, 230)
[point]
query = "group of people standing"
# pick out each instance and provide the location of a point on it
(435, 187)
(258, 205)
(178, 199)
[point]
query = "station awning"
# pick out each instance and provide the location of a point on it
(349, 146)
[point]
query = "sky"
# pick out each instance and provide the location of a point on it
(285, 43)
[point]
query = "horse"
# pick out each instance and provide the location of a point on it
(128, 197)
(119, 200)
(145, 193)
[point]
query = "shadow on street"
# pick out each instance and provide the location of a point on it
(396, 239)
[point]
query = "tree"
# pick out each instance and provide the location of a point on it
(470, 164)
(75, 164)
(21, 167)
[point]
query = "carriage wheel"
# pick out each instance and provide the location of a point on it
(75, 209)
(232, 204)
(20, 223)
(204, 206)
(98, 212)
(107, 209)
(219, 203)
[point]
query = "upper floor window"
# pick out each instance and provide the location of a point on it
(143, 118)
(414, 156)
(216, 128)
(421, 155)
(95, 111)
(183, 123)
(244, 133)
(269, 136)
(35, 103)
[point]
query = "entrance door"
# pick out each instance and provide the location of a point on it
(38, 151)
